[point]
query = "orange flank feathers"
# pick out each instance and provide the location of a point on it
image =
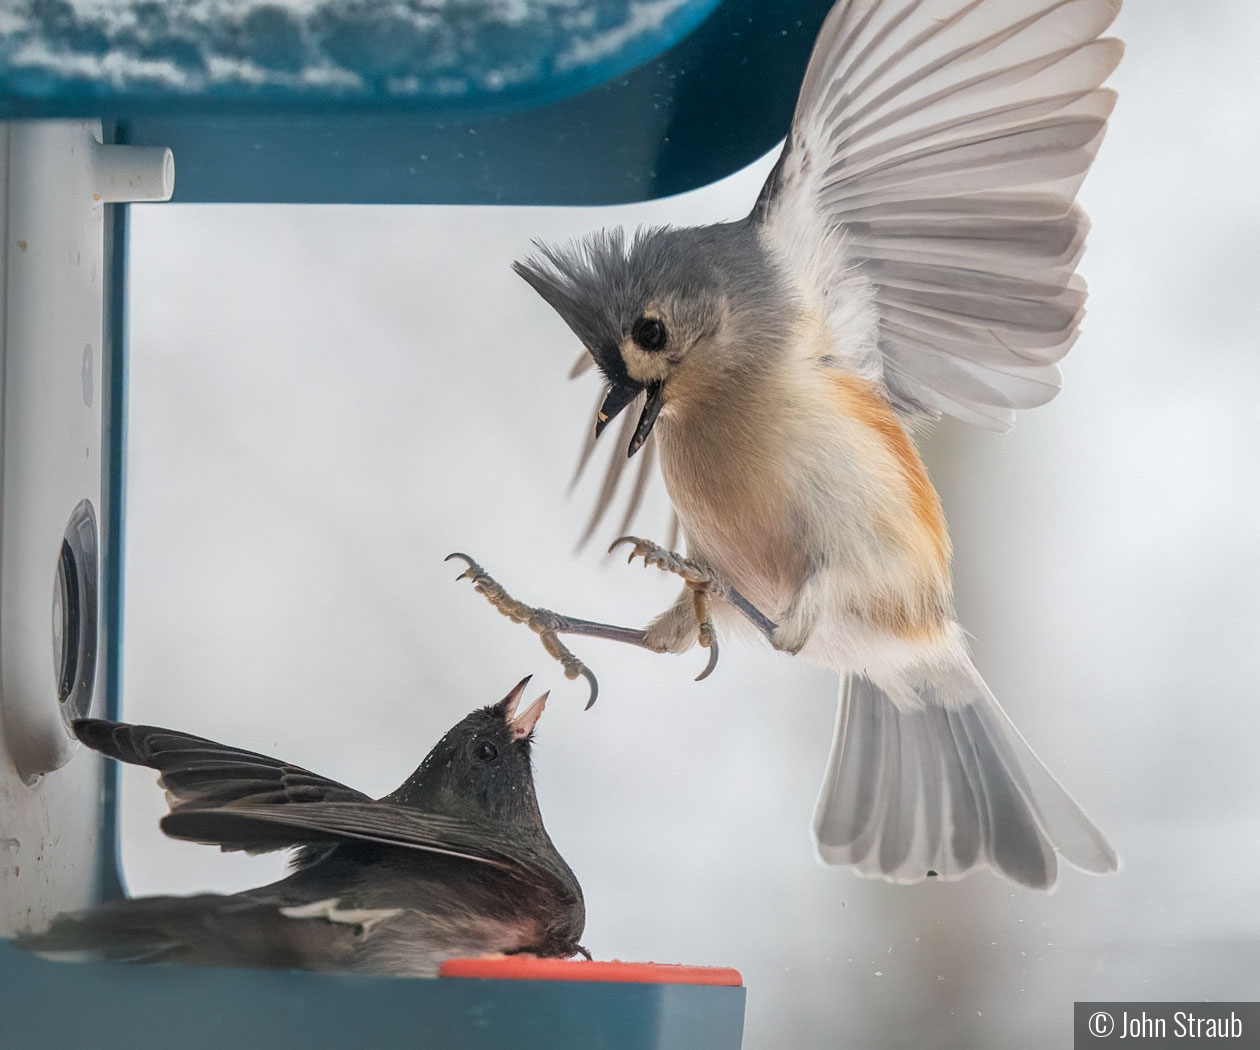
(862, 402)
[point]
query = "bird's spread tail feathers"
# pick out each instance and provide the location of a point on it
(944, 788)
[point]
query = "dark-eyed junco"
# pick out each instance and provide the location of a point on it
(455, 862)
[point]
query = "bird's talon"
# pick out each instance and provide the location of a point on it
(472, 568)
(712, 646)
(590, 678)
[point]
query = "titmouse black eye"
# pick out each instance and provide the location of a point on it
(487, 752)
(649, 333)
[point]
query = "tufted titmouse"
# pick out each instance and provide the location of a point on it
(454, 862)
(912, 254)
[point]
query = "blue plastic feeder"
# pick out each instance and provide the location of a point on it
(344, 101)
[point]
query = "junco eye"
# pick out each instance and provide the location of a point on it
(487, 752)
(649, 333)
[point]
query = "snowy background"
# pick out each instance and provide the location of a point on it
(326, 401)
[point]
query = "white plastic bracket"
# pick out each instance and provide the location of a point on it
(59, 178)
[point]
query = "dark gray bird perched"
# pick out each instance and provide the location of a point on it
(455, 862)
(913, 254)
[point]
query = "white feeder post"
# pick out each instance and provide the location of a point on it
(57, 178)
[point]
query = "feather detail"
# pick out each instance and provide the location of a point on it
(945, 785)
(935, 153)
(643, 472)
(925, 532)
(200, 772)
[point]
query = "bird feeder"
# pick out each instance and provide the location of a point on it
(532, 103)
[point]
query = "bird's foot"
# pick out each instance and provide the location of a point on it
(695, 574)
(705, 584)
(700, 579)
(543, 622)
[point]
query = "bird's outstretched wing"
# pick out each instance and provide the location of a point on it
(200, 772)
(259, 827)
(930, 174)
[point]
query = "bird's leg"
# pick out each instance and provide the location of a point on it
(797, 621)
(700, 581)
(550, 625)
(704, 584)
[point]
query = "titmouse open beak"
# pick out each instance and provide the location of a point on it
(619, 395)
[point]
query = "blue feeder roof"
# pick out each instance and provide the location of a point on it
(457, 56)
(410, 101)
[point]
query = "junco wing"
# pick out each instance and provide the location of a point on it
(242, 800)
(200, 772)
